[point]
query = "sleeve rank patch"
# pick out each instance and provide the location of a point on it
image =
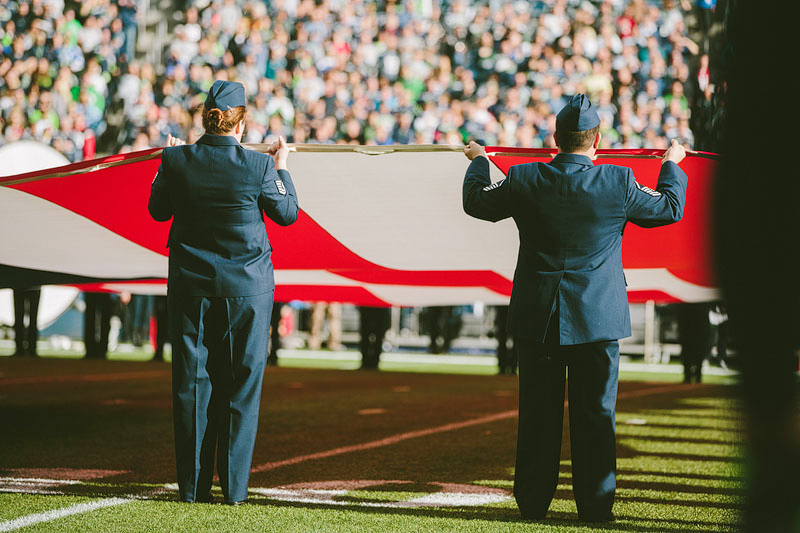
(281, 187)
(494, 185)
(647, 190)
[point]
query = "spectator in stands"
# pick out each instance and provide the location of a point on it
(410, 73)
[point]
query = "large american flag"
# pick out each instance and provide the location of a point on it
(378, 226)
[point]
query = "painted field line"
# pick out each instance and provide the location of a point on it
(389, 357)
(118, 376)
(37, 480)
(330, 497)
(400, 437)
(393, 439)
(351, 356)
(47, 516)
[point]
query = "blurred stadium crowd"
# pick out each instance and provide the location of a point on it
(336, 71)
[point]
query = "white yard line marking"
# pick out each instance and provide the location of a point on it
(394, 439)
(34, 485)
(47, 516)
(38, 480)
(455, 499)
(473, 360)
(329, 497)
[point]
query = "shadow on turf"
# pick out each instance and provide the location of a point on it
(627, 452)
(684, 440)
(509, 515)
(494, 514)
(694, 427)
(632, 484)
(709, 477)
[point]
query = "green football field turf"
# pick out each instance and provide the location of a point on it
(87, 446)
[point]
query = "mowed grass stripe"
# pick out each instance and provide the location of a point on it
(708, 452)
(661, 497)
(306, 411)
(679, 468)
(400, 437)
(393, 439)
(626, 479)
(278, 518)
(719, 436)
(686, 421)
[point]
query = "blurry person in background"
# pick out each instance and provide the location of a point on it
(418, 73)
(96, 324)
(696, 337)
(373, 324)
(718, 316)
(274, 334)
(319, 312)
(443, 324)
(140, 309)
(506, 353)
(26, 312)
(161, 316)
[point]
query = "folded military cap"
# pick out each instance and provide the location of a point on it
(577, 115)
(225, 95)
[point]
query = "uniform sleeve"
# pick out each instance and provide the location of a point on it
(651, 208)
(482, 198)
(159, 205)
(278, 198)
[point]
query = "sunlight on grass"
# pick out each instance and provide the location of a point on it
(16, 505)
(679, 462)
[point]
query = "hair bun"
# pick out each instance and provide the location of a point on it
(215, 117)
(217, 121)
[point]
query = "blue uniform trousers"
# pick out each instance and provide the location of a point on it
(593, 370)
(219, 355)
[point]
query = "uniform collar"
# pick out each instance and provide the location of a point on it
(218, 140)
(574, 159)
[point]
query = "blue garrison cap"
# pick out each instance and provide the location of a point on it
(577, 115)
(225, 95)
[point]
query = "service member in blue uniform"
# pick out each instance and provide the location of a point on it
(569, 305)
(220, 289)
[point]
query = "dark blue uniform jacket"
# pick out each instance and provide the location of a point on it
(570, 215)
(215, 191)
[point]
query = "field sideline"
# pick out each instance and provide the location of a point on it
(87, 446)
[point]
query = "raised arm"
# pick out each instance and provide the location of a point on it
(482, 198)
(651, 208)
(278, 196)
(159, 205)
